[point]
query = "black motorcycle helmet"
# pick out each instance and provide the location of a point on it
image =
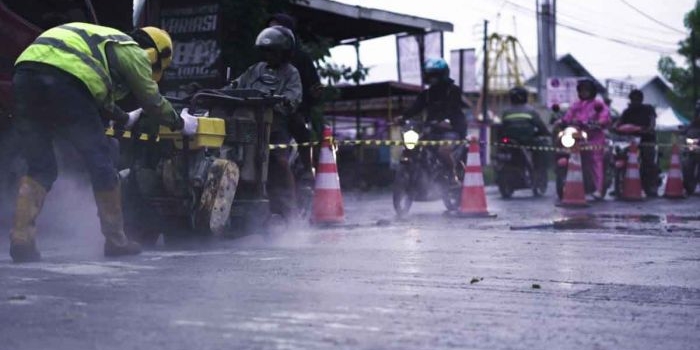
(277, 43)
(518, 95)
(586, 85)
(636, 96)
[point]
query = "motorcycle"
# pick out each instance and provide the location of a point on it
(690, 160)
(421, 176)
(515, 169)
(568, 136)
(621, 139)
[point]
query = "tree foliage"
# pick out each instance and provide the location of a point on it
(681, 75)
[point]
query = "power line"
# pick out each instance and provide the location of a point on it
(652, 18)
(618, 27)
(641, 46)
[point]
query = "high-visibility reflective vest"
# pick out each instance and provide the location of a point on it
(79, 49)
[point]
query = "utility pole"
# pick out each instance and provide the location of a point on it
(694, 65)
(546, 40)
(485, 97)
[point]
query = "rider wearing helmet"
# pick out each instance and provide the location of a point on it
(442, 104)
(595, 117)
(276, 75)
(311, 87)
(522, 123)
(643, 116)
(64, 83)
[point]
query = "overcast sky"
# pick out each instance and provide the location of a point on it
(607, 20)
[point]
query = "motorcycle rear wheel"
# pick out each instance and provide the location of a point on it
(505, 189)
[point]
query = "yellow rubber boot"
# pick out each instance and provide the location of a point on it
(30, 200)
(109, 210)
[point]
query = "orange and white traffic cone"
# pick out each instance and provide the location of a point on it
(632, 186)
(674, 179)
(327, 207)
(574, 194)
(473, 199)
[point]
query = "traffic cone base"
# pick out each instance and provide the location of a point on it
(632, 185)
(473, 198)
(327, 207)
(674, 179)
(574, 195)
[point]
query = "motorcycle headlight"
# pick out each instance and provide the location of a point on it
(692, 142)
(568, 140)
(410, 139)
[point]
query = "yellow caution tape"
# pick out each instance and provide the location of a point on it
(378, 142)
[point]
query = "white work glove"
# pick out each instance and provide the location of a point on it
(190, 122)
(133, 118)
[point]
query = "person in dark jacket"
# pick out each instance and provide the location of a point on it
(310, 83)
(644, 116)
(522, 123)
(441, 104)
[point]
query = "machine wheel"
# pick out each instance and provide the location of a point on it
(217, 197)
(403, 194)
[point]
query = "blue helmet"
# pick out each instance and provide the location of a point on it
(434, 65)
(436, 69)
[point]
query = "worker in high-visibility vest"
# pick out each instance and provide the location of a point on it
(64, 84)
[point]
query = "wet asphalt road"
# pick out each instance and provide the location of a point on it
(614, 276)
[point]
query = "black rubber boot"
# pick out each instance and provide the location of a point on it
(24, 253)
(130, 248)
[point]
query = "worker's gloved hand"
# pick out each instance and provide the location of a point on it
(190, 122)
(133, 118)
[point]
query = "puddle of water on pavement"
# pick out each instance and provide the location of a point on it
(600, 221)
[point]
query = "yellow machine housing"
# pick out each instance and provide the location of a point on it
(211, 133)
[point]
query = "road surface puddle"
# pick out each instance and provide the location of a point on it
(632, 223)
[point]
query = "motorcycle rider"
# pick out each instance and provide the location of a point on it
(642, 118)
(442, 104)
(522, 123)
(311, 85)
(594, 117)
(275, 74)
(64, 83)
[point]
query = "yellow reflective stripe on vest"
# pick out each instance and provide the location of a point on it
(517, 116)
(90, 61)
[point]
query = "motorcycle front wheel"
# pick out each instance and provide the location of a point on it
(402, 191)
(452, 198)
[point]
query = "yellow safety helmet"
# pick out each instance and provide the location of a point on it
(158, 46)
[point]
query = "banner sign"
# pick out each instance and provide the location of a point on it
(196, 47)
(409, 58)
(561, 90)
(467, 70)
